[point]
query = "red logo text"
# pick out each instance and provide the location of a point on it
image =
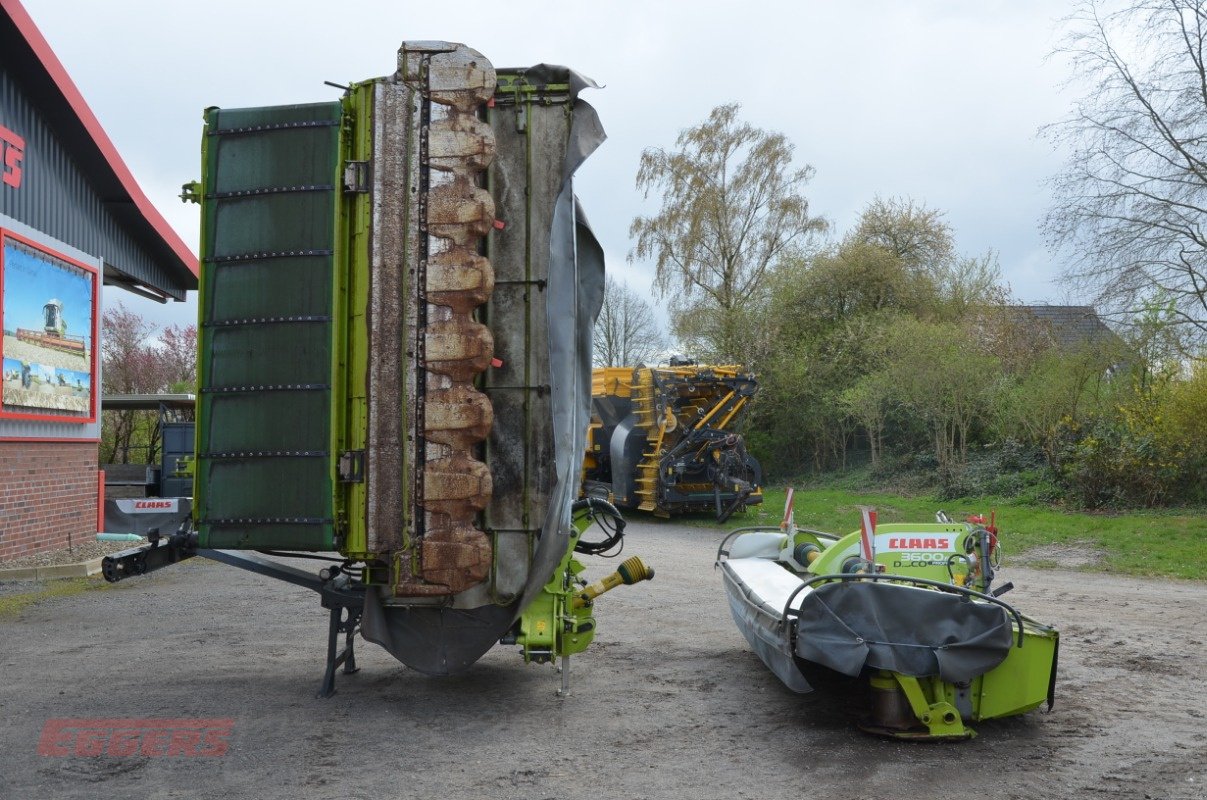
(12, 151)
(154, 504)
(902, 543)
(136, 737)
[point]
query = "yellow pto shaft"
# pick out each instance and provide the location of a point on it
(630, 572)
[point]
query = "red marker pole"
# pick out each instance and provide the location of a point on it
(867, 536)
(789, 521)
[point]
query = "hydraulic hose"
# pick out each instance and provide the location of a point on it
(601, 511)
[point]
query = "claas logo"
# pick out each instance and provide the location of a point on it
(12, 151)
(919, 543)
(141, 504)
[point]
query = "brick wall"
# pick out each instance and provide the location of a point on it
(47, 496)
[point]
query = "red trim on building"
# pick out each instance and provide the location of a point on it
(49, 440)
(100, 501)
(54, 68)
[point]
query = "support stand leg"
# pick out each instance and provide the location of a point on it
(328, 687)
(565, 668)
(345, 656)
(350, 665)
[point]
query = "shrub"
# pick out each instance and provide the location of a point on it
(1119, 461)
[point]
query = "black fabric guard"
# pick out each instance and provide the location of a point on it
(906, 629)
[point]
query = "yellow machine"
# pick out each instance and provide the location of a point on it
(661, 439)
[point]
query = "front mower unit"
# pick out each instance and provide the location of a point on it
(919, 620)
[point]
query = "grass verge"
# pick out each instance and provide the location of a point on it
(11, 605)
(1166, 543)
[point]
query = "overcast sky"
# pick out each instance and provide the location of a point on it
(938, 100)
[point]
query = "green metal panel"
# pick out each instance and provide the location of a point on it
(249, 423)
(1023, 681)
(352, 293)
(270, 201)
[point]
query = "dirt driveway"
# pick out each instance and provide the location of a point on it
(669, 702)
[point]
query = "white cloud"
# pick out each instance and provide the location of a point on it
(938, 100)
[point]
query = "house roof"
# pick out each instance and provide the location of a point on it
(27, 53)
(1070, 326)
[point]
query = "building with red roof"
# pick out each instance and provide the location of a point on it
(73, 224)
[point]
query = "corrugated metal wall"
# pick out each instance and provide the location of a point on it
(55, 198)
(26, 429)
(42, 431)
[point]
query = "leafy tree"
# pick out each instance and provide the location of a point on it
(731, 208)
(1186, 418)
(1054, 387)
(971, 282)
(803, 412)
(868, 402)
(1188, 412)
(135, 361)
(848, 281)
(916, 235)
(1132, 201)
(127, 363)
(1011, 335)
(900, 256)
(940, 374)
(833, 316)
(924, 245)
(627, 332)
(1126, 455)
(178, 353)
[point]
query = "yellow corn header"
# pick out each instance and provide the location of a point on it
(661, 439)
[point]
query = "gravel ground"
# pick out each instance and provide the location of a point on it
(668, 703)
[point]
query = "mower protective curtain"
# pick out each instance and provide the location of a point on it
(914, 631)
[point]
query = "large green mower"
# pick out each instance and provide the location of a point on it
(397, 293)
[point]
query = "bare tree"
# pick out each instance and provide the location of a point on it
(1132, 201)
(731, 209)
(627, 332)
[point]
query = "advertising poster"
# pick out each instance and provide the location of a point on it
(48, 312)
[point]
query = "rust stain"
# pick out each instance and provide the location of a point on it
(457, 486)
(463, 81)
(457, 556)
(459, 417)
(460, 141)
(458, 348)
(459, 279)
(460, 212)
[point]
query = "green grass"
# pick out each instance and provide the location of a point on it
(11, 605)
(1166, 543)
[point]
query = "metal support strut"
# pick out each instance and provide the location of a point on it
(347, 656)
(344, 597)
